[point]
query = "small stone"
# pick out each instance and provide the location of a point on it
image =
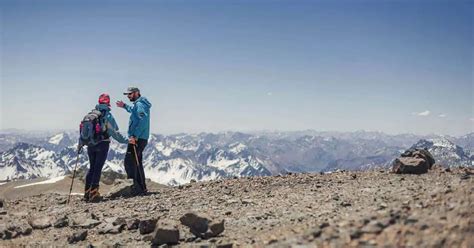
(411, 220)
(147, 226)
(229, 245)
(324, 225)
(198, 225)
(346, 204)
(355, 233)
(132, 224)
(77, 236)
(110, 228)
(424, 227)
(61, 222)
(89, 223)
(147, 238)
(216, 227)
(373, 227)
(315, 232)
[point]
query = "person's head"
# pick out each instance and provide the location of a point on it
(104, 99)
(133, 93)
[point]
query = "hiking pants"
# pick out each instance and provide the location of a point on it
(134, 170)
(97, 156)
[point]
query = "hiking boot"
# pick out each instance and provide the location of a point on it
(94, 195)
(87, 191)
(137, 191)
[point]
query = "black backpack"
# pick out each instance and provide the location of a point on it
(93, 128)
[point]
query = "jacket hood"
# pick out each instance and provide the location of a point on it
(144, 101)
(102, 107)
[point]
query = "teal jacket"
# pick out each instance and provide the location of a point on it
(111, 124)
(139, 124)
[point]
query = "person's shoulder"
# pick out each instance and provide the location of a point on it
(109, 115)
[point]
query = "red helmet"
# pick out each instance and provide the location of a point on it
(104, 99)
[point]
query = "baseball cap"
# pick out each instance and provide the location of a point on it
(131, 89)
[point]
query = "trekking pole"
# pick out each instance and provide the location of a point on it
(136, 155)
(74, 174)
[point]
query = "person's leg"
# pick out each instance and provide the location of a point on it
(129, 162)
(101, 157)
(141, 144)
(90, 172)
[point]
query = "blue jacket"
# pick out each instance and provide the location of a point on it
(139, 124)
(111, 124)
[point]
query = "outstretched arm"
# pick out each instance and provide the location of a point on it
(127, 107)
(113, 130)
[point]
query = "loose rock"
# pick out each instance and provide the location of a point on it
(61, 222)
(147, 226)
(41, 222)
(165, 233)
(77, 236)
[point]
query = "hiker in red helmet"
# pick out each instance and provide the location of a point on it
(96, 129)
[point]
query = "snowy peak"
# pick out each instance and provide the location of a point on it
(29, 161)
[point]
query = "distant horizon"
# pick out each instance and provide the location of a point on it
(57, 131)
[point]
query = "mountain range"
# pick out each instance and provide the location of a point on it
(177, 159)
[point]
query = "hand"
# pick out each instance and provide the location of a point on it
(132, 141)
(79, 148)
(120, 104)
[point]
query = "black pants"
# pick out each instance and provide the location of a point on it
(134, 170)
(97, 156)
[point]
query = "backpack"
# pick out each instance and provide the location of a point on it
(93, 128)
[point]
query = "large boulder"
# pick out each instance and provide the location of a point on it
(420, 153)
(409, 165)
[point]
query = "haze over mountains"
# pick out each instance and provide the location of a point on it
(177, 159)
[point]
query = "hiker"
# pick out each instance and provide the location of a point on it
(95, 132)
(138, 133)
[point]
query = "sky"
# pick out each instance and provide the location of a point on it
(211, 66)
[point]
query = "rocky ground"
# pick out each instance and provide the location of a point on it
(341, 209)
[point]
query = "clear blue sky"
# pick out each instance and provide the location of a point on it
(392, 66)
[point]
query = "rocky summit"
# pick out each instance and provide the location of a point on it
(339, 209)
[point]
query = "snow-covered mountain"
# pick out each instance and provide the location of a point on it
(177, 159)
(30, 161)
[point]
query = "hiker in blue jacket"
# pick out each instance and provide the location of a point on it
(138, 134)
(98, 151)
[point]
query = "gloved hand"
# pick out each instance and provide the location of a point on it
(79, 148)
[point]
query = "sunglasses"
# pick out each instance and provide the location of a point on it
(131, 93)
